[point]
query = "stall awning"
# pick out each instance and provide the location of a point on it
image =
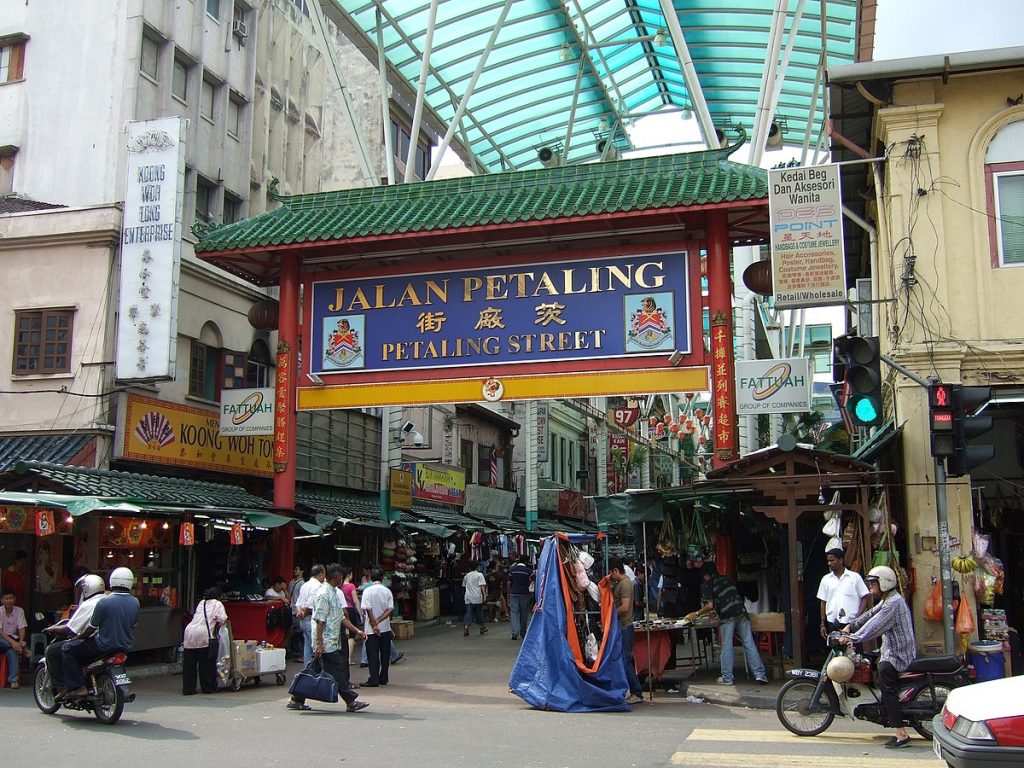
(879, 443)
(625, 508)
(438, 531)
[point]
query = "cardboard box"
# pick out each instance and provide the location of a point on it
(243, 656)
(270, 660)
(428, 604)
(404, 630)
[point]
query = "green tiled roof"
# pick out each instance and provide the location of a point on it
(137, 488)
(647, 183)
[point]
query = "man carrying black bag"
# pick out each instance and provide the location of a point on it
(329, 649)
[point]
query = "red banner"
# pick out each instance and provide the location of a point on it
(721, 383)
(618, 453)
(237, 537)
(187, 534)
(282, 406)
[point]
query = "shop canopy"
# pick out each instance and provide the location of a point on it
(80, 490)
(364, 510)
(630, 507)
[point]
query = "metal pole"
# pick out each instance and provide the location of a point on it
(417, 114)
(385, 107)
(647, 591)
(461, 109)
(700, 105)
(945, 571)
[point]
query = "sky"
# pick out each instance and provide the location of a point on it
(907, 28)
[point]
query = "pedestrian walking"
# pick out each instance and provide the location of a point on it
(378, 604)
(328, 618)
(520, 599)
(622, 591)
(475, 586)
(200, 634)
(725, 600)
(304, 609)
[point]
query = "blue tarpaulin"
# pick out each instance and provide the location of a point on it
(548, 674)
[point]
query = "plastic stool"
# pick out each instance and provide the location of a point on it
(3, 671)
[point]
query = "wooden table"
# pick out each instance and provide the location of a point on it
(663, 642)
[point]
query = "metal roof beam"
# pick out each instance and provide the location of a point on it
(693, 88)
(385, 108)
(584, 56)
(417, 113)
(461, 109)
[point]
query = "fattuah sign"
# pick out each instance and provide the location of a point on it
(806, 217)
(773, 386)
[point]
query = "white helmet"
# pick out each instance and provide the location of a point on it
(122, 577)
(90, 584)
(884, 575)
(840, 669)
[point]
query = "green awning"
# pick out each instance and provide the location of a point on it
(438, 531)
(878, 443)
(625, 508)
(75, 505)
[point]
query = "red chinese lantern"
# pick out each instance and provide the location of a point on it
(702, 440)
(706, 421)
(668, 418)
(699, 413)
(263, 315)
(654, 421)
(689, 425)
(673, 428)
(660, 430)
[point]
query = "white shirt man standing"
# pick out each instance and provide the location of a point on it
(378, 604)
(304, 609)
(475, 586)
(843, 594)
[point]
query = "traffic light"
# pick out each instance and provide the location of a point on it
(966, 401)
(863, 381)
(941, 418)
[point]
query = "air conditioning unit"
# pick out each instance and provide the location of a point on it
(238, 30)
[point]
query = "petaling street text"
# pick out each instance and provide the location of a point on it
(485, 346)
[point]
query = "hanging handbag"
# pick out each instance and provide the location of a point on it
(313, 683)
(213, 647)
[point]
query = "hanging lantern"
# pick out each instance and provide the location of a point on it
(187, 534)
(236, 534)
(654, 421)
(660, 430)
(689, 425)
(702, 440)
(699, 413)
(668, 418)
(673, 428)
(689, 395)
(706, 421)
(263, 315)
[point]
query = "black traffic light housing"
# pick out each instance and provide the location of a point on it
(863, 380)
(966, 401)
(941, 418)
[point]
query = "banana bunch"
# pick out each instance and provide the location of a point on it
(965, 564)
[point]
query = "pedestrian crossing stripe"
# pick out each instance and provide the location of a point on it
(718, 760)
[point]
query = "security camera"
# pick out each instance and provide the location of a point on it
(408, 427)
(417, 439)
(548, 157)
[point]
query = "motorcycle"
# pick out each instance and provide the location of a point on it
(810, 701)
(108, 683)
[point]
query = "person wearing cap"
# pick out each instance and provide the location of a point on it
(842, 594)
(89, 590)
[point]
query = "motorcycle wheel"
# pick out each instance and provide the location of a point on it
(109, 700)
(793, 711)
(924, 697)
(43, 692)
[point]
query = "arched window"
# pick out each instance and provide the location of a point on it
(1004, 184)
(259, 369)
(204, 361)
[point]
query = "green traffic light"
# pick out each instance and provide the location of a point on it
(865, 411)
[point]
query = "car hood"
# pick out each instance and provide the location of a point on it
(989, 700)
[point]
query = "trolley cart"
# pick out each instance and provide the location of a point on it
(246, 660)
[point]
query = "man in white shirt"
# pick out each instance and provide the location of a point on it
(89, 592)
(843, 594)
(476, 589)
(378, 604)
(304, 609)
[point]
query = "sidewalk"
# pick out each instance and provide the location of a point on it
(485, 662)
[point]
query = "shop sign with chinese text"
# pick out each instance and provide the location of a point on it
(436, 482)
(147, 318)
(168, 433)
(806, 219)
(773, 386)
(553, 328)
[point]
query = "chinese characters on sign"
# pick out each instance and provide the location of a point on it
(805, 214)
(564, 312)
(281, 406)
(147, 326)
(721, 382)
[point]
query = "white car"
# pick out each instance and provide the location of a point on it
(982, 725)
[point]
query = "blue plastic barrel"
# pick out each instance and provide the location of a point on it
(987, 658)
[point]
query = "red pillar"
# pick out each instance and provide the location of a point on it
(723, 365)
(282, 553)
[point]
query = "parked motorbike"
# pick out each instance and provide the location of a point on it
(845, 685)
(108, 684)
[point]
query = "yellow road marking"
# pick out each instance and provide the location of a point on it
(712, 734)
(712, 760)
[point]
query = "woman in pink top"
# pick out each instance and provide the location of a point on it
(202, 632)
(351, 607)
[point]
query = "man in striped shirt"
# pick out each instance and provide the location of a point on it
(891, 620)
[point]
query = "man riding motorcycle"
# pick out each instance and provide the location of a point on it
(111, 628)
(90, 591)
(891, 620)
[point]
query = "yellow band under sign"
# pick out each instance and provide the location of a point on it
(536, 387)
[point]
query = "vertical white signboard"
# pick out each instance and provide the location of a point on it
(806, 215)
(147, 321)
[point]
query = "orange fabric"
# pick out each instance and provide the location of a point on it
(607, 612)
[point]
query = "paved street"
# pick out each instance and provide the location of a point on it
(447, 704)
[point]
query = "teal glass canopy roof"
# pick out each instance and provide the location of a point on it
(570, 74)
